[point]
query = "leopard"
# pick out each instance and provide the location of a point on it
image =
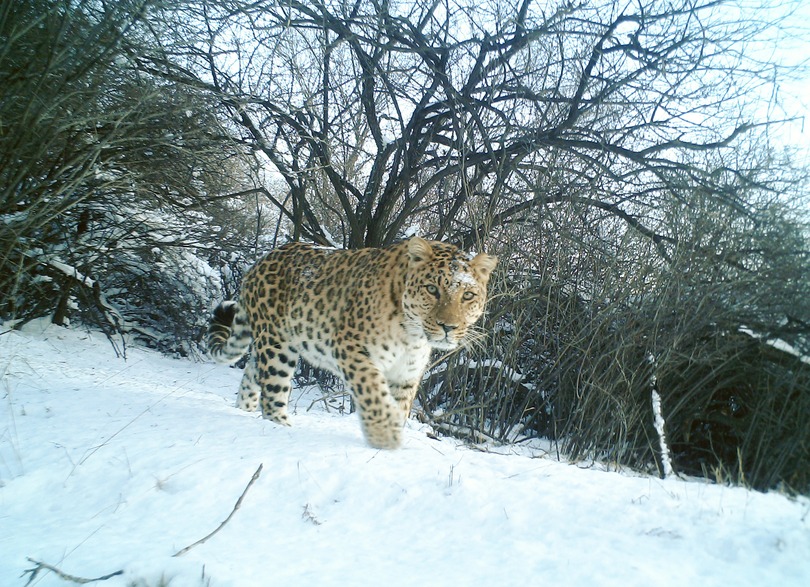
(371, 316)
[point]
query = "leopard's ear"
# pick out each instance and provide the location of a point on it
(419, 250)
(483, 264)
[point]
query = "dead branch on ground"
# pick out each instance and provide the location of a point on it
(40, 566)
(226, 520)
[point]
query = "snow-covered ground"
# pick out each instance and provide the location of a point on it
(110, 465)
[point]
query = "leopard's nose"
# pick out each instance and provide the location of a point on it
(448, 328)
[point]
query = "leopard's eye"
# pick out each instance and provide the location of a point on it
(468, 295)
(432, 290)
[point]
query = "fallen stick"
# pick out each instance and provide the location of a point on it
(226, 520)
(40, 566)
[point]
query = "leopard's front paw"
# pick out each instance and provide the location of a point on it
(282, 419)
(388, 436)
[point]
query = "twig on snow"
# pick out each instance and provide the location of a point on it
(462, 432)
(309, 515)
(40, 566)
(226, 520)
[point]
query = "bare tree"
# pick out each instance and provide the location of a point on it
(462, 116)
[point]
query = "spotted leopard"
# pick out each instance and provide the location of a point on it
(371, 316)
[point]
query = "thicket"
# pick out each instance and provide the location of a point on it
(619, 159)
(111, 181)
(579, 343)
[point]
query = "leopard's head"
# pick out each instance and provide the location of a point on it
(445, 291)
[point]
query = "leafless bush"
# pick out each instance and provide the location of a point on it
(584, 331)
(109, 179)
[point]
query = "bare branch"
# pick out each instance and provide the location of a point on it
(236, 506)
(41, 566)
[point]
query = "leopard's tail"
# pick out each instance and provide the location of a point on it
(228, 337)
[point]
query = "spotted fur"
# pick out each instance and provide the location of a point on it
(370, 316)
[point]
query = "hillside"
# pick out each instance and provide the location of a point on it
(109, 464)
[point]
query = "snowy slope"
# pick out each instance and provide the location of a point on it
(110, 465)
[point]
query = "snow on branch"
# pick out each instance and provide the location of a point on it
(778, 344)
(70, 272)
(662, 437)
(111, 314)
(659, 422)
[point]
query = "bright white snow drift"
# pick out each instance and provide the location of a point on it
(110, 465)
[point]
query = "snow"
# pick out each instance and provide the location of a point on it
(411, 231)
(463, 278)
(496, 364)
(778, 344)
(69, 271)
(108, 465)
(662, 437)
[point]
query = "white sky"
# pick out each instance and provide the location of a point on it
(794, 95)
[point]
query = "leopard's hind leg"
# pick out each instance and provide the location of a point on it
(268, 378)
(249, 388)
